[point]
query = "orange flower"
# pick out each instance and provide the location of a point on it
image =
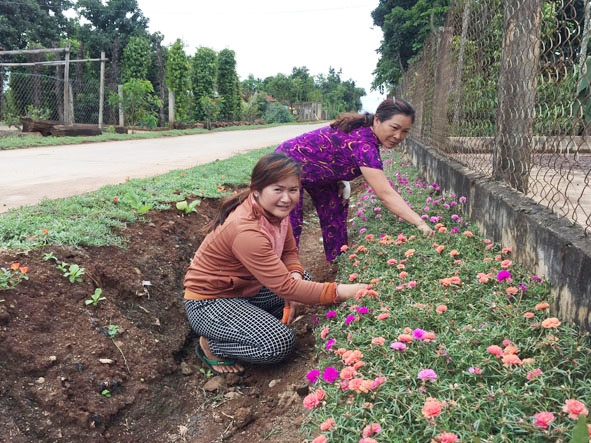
(383, 316)
(482, 277)
(510, 349)
(432, 408)
(403, 274)
(15, 266)
(115, 199)
(468, 234)
(511, 359)
(409, 253)
(405, 338)
(23, 269)
(441, 309)
(529, 315)
(541, 306)
(344, 248)
(351, 357)
(551, 322)
(506, 263)
(328, 424)
(353, 276)
(439, 249)
(378, 341)
(511, 290)
(443, 229)
(347, 373)
(454, 253)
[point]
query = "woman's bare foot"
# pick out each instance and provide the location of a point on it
(222, 368)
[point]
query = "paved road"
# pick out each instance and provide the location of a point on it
(29, 175)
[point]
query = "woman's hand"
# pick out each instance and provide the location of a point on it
(348, 291)
(426, 230)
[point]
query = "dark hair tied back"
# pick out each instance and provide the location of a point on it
(386, 110)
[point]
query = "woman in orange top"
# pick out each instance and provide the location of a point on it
(247, 270)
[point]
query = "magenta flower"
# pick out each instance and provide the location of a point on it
(330, 343)
(313, 375)
(427, 374)
(503, 275)
(418, 334)
(362, 310)
(330, 374)
(350, 319)
(331, 314)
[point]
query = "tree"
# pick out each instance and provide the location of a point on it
(178, 79)
(138, 102)
(27, 22)
(405, 25)
(108, 27)
(137, 58)
(203, 80)
(228, 86)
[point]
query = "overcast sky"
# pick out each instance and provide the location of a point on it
(273, 36)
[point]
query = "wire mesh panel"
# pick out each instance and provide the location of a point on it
(504, 88)
(33, 86)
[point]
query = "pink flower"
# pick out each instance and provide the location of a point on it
(411, 284)
(495, 350)
(506, 263)
(574, 409)
(398, 346)
(543, 419)
(475, 370)
(446, 437)
(320, 439)
(534, 373)
(328, 424)
(330, 374)
(324, 333)
(427, 374)
(311, 401)
(378, 341)
(367, 440)
(383, 316)
(371, 429)
(353, 276)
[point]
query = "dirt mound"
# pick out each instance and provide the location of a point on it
(125, 369)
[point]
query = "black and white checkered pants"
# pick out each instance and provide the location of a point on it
(245, 329)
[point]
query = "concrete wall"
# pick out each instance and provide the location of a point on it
(541, 242)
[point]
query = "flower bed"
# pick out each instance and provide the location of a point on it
(453, 342)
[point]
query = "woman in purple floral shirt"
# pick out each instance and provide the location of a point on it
(347, 148)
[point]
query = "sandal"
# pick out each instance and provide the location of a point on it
(210, 363)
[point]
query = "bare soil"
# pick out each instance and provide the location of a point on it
(57, 356)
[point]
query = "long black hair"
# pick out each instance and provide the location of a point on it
(269, 169)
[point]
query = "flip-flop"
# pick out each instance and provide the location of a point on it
(211, 363)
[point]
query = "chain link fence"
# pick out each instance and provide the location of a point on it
(504, 89)
(32, 85)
